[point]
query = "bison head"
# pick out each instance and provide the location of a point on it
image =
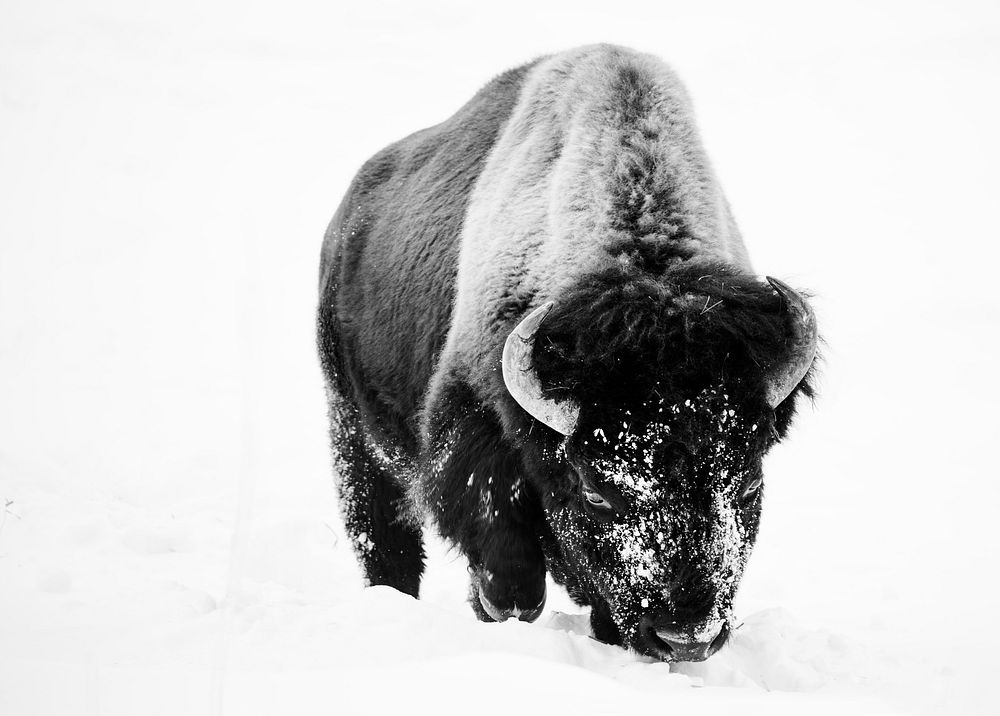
(665, 516)
(665, 416)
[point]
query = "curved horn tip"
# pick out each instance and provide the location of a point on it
(793, 299)
(784, 380)
(535, 318)
(781, 287)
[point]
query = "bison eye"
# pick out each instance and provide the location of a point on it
(594, 499)
(752, 487)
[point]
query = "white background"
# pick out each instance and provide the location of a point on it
(170, 542)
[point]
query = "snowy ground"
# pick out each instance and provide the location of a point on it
(170, 543)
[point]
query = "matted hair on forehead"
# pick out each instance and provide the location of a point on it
(621, 333)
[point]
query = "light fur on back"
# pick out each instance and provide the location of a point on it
(543, 210)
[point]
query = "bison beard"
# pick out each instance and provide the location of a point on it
(659, 336)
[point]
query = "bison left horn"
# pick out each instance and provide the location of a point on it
(782, 381)
(522, 381)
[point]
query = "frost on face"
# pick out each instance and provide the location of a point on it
(682, 529)
(516, 490)
(364, 542)
(486, 502)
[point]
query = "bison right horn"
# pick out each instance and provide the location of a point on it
(782, 381)
(522, 381)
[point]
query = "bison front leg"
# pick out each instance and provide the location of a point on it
(507, 575)
(475, 489)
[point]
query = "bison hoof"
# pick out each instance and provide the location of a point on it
(497, 598)
(502, 614)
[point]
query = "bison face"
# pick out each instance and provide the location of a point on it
(657, 516)
(665, 509)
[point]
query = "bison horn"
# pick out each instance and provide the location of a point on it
(522, 381)
(782, 380)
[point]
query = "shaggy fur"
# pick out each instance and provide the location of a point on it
(578, 179)
(387, 279)
(615, 335)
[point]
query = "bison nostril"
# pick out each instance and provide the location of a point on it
(661, 644)
(706, 631)
(668, 636)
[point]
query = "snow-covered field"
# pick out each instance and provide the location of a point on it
(169, 541)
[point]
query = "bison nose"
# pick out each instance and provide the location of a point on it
(672, 642)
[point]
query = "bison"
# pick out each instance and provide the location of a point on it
(541, 332)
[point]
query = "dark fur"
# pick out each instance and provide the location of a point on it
(387, 279)
(655, 326)
(682, 328)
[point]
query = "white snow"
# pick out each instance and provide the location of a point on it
(169, 541)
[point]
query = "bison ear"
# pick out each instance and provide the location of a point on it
(522, 381)
(782, 380)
